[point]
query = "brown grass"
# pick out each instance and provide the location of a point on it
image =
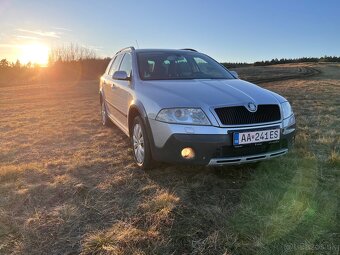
(70, 186)
(276, 72)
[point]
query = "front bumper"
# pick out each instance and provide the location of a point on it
(247, 159)
(214, 145)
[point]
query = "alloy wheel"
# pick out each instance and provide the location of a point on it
(138, 143)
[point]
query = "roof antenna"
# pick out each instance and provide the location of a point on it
(137, 44)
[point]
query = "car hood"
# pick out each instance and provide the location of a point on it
(206, 93)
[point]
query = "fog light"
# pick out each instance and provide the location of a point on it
(188, 153)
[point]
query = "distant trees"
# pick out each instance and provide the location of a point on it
(74, 62)
(234, 65)
(4, 63)
(17, 72)
(276, 61)
(82, 69)
(297, 60)
(70, 52)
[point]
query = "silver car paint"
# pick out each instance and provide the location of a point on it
(162, 131)
(206, 94)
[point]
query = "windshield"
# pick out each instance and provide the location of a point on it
(179, 66)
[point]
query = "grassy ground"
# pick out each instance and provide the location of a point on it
(275, 72)
(69, 185)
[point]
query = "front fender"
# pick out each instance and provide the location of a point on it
(137, 105)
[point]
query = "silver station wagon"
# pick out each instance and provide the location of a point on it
(182, 106)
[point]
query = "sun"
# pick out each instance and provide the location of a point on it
(34, 53)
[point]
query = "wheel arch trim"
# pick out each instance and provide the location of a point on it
(137, 105)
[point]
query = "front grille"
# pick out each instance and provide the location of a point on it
(239, 115)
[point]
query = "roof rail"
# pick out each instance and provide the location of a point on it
(126, 48)
(189, 49)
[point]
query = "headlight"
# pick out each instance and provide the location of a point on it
(189, 116)
(286, 110)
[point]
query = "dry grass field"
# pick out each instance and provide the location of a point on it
(69, 185)
(276, 72)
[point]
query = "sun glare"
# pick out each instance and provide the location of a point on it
(34, 53)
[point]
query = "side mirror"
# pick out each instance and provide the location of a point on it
(234, 74)
(120, 75)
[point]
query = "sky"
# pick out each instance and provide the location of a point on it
(229, 31)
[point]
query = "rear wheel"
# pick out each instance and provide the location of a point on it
(140, 144)
(104, 116)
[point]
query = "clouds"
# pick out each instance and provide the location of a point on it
(19, 35)
(41, 33)
(27, 37)
(16, 36)
(62, 28)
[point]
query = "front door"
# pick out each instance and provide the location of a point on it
(122, 92)
(109, 87)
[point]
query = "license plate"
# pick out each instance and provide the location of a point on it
(256, 136)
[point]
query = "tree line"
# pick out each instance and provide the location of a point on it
(67, 62)
(297, 60)
(276, 61)
(74, 62)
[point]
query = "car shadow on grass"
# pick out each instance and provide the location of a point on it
(206, 199)
(170, 209)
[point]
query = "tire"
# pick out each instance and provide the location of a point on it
(140, 145)
(103, 112)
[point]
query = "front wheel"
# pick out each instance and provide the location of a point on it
(140, 144)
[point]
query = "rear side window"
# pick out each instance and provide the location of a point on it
(115, 65)
(126, 64)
